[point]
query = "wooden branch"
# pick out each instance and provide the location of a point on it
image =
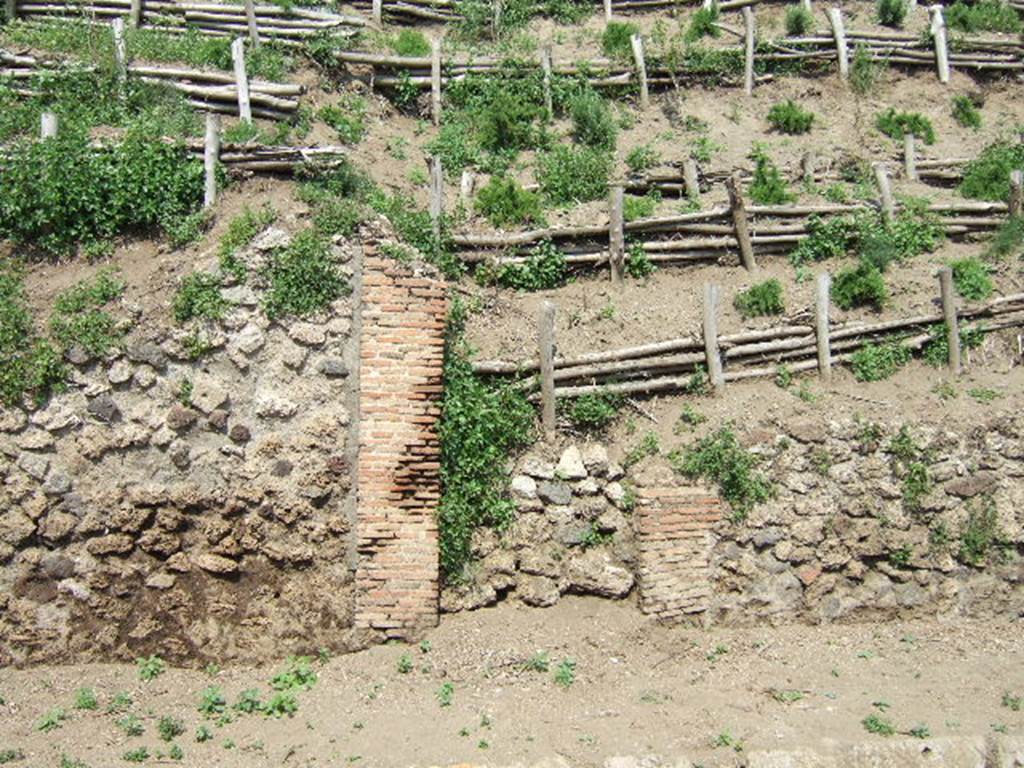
(546, 342)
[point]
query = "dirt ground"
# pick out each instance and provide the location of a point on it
(638, 688)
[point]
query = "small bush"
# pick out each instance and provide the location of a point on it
(242, 229)
(864, 71)
(298, 674)
(895, 124)
(965, 112)
(874, 362)
(79, 318)
(720, 459)
(592, 121)
(642, 158)
(768, 187)
(981, 539)
(987, 177)
(859, 286)
(972, 278)
(799, 21)
(347, 118)
(212, 701)
(508, 122)
(643, 207)
(702, 24)
(615, 41)
(574, 174)
(503, 201)
(595, 411)
(150, 668)
(169, 727)
(303, 277)
(199, 296)
(936, 351)
(544, 268)
(761, 299)
(85, 698)
(1008, 239)
(982, 16)
(410, 42)
(891, 13)
(638, 263)
(789, 117)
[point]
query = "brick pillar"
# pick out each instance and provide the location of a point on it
(674, 539)
(398, 473)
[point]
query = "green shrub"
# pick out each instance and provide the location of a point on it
(768, 187)
(78, 317)
(199, 296)
(1007, 240)
(303, 278)
(169, 727)
(720, 459)
(508, 123)
(592, 121)
(789, 117)
(895, 124)
(638, 263)
(864, 71)
(574, 174)
(615, 41)
(936, 351)
(702, 24)
(480, 426)
(874, 362)
(972, 278)
(965, 112)
(642, 158)
(891, 13)
(981, 539)
(241, 231)
(640, 207)
(347, 118)
(503, 201)
(298, 675)
(761, 299)
(85, 698)
(64, 191)
(410, 42)
(595, 411)
(859, 286)
(799, 21)
(982, 16)
(544, 268)
(915, 230)
(987, 177)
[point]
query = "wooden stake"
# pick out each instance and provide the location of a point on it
(748, 53)
(48, 125)
(941, 48)
(691, 180)
(436, 194)
(711, 353)
(250, 18)
(11, 10)
(641, 69)
(466, 186)
(120, 51)
(1016, 201)
(821, 326)
(909, 157)
(546, 340)
(616, 236)
(885, 192)
(607, 10)
(135, 15)
(241, 79)
(435, 81)
(211, 154)
(949, 315)
(807, 164)
(807, 5)
(545, 64)
(739, 223)
(835, 19)
(377, 11)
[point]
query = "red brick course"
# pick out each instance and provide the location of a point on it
(675, 539)
(398, 476)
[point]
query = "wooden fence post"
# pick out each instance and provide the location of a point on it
(691, 179)
(1016, 201)
(807, 5)
(941, 48)
(120, 51)
(711, 354)
(807, 164)
(466, 185)
(884, 192)
(250, 18)
(546, 340)
(909, 157)
(211, 154)
(835, 19)
(48, 125)
(436, 194)
(545, 65)
(616, 235)
(135, 14)
(949, 315)
(241, 79)
(748, 50)
(739, 223)
(11, 10)
(821, 326)
(641, 69)
(377, 10)
(435, 81)
(607, 10)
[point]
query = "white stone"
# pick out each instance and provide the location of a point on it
(271, 239)
(145, 377)
(615, 493)
(309, 334)
(538, 468)
(615, 471)
(207, 393)
(273, 407)
(56, 418)
(249, 340)
(586, 487)
(241, 295)
(595, 458)
(120, 372)
(570, 466)
(524, 487)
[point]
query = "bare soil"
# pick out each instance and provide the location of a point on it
(639, 688)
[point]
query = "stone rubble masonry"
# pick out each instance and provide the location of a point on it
(398, 474)
(674, 541)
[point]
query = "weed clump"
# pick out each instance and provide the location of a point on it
(891, 13)
(987, 177)
(503, 201)
(874, 362)
(798, 21)
(592, 122)
(896, 124)
(574, 174)
(761, 299)
(703, 24)
(615, 41)
(768, 187)
(789, 117)
(965, 112)
(859, 286)
(983, 16)
(544, 268)
(595, 411)
(303, 278)
(972, 278)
